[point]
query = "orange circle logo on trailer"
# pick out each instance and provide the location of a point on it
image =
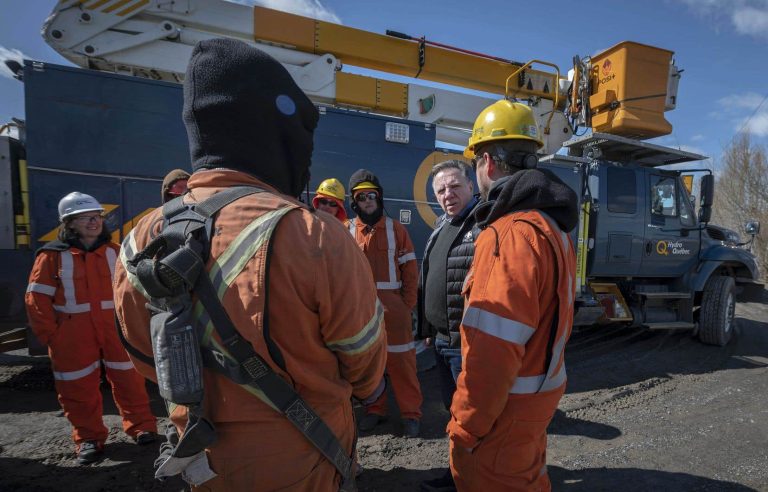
(606, 67)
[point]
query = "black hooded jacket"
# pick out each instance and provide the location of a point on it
(531, 189)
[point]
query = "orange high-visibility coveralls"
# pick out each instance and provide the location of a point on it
(390, 253)
(505, 396)
(70, 309)
(323, 316)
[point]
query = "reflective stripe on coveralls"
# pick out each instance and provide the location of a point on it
(229, 265)
(80, 336)
(320, 295)
(47, 290)
(393, 283)
(68, 284)
(73, 375)
(401, 348)
(514, 442)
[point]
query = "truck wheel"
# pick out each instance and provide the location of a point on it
(718, 306)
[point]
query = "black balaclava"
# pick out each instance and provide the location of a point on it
(243, 111)
(361, 176)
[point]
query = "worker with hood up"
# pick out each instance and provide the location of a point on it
(390, 252)
(320, 325)
(518, 310)
(329, 198)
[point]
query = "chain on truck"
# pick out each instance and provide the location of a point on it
(647, 255)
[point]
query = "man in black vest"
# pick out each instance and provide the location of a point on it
(447, 258)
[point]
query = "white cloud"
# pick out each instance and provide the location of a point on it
(9, 54)
(741, 108)
(748, 17)
(308, 8)
(758, 125)
(748, 100)
(697, 138)
(751, 21)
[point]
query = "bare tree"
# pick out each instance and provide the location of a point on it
(741, 192)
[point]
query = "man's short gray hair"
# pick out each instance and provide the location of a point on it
(452, 164)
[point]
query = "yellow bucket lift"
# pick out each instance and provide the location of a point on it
(630, 85)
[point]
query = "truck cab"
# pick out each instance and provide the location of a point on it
(644, 256)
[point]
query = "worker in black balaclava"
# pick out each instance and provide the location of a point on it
(252, 120)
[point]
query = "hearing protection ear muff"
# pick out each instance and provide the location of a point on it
(529, 161)
(523, 160)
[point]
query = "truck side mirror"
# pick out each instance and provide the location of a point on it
(752, 227)
(707, 196)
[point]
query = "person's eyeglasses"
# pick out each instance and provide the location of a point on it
(475, 161)
(371, 195)
(87, 219)
(327, 203)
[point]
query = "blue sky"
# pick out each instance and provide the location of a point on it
(722, 46)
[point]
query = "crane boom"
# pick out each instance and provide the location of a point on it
(155, 38)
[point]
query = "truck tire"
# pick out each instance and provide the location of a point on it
(718, 306)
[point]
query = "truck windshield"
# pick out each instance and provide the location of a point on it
(663, 196)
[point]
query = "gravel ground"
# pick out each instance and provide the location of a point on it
(643, 411)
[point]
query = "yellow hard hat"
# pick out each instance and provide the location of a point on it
(366, 185)
(331, 187)
(503, 120)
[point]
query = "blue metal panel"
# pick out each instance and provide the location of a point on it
(117, 126)
(346, 141)
(83, 120)
(47, 187)
(13, 283)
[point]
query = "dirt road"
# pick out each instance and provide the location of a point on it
(643, 411)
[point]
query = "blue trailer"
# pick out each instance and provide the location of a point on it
(115, 137)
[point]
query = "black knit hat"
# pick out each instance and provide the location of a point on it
(243, 111)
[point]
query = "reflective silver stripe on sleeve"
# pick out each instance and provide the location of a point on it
(120, 366)
(68, 283)
(128, 249)
(401, 348)
(41, 289)
(72, 309)
(391, 247)
(72, 375)
(525, 385)
(555, 381)
(352, 226)
(406, 258)
(111, 258)
(497, 326)
(127, 252)
(364, 338)
(107, 304)
(388, 285)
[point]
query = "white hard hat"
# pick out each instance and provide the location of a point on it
(77, 203)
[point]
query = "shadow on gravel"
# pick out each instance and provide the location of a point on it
(397, 479)
(634, 479)
(568, 426)
(26, 378)
(34, 476)
(613, 356)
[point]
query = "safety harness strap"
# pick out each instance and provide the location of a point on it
(259, 374)
(183, 220)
